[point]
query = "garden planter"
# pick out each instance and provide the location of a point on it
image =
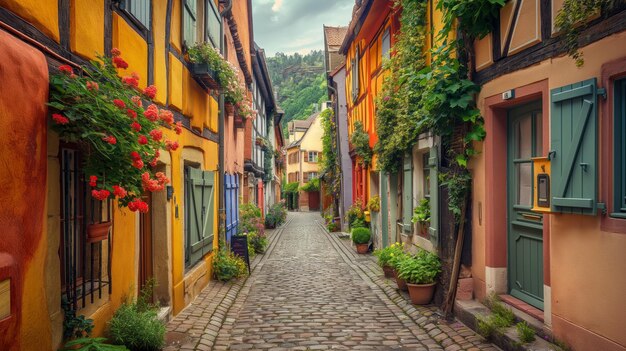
(230, 110)
(424, 230)
(389, 272)
(421, 294)
(240, 122)
(361, 248)
(98, 231)
(206, 75)
(401, 283)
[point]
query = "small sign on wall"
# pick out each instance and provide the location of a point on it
(5, 298)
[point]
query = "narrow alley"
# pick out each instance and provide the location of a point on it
(310, 291)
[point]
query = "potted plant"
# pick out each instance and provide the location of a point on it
(98, 231)
(395, 262)
(421, 215)
(420, 272)
(386, 255)
(374, 204)
(361, 238)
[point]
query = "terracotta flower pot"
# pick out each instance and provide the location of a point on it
(389, 271)
(98, 231)
(361, 248)
(401, 283)
(421, 294)
(230, 109)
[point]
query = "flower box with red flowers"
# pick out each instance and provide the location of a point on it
(205, 74)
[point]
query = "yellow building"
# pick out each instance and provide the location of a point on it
(49, 259)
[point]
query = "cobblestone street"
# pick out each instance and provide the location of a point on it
(310, 291)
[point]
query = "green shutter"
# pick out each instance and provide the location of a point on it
(433, 164)
(199, 214)
(407, 193)
(384, 207)
(574, 120)
(213, 24)
(189, 22)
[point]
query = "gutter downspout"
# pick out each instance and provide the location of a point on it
(221, 125)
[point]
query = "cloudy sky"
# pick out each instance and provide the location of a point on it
(296, 25)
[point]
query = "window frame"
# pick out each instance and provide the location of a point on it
(426, 174)
(386, 35)
(354, 67)
(125, 7)
(619, 149)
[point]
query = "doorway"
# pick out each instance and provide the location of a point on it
(525, 228)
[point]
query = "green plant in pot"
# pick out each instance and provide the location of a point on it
(421, 215)
(396, 262)
(374, 203)
(420, 272)
(386, 255)
(361, 238)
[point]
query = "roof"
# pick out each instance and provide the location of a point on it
(304, 124)
(334, 35)
(359, 12)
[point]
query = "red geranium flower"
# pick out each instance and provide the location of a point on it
(60, 119)
(132, 81)
(93, 181)
(110, 139)
(93, 86)
(66, 69)
(166, 116)
(136, 126)
(178, 128)
(136, 100)
(119, 191)
(138, 163)
(100, 194)
(171, 145)
(152, 113)
(131, 113)
(120, 63)
(150, 91)
(135, 155)
(119, 103)
(115, 52)
(156, 134)
(142, 140)
(138, 205)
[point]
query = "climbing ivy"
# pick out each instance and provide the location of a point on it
(329, 163)
(439, 98)
(361, 142)
(570, 16)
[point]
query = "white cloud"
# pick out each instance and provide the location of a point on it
(277, 5)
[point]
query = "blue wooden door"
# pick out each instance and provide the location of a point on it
(231, 202)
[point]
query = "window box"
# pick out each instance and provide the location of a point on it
(205, 75)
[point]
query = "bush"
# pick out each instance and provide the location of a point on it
(396, 260)
(423, 268)
(257, 243)
(227, 265)
(136, 325)
(361, 235)
(250, 219)
(276, 215)
(92, 344)
(387, 254)
(525, 332)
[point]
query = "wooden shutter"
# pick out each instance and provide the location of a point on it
(213, 24)
(306, 177)
(199, 213)
(574, 144)
(306, 156)
(407, 193)
(231, 206)
(190, 22)
(433, 164)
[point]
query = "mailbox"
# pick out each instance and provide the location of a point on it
(541, 185)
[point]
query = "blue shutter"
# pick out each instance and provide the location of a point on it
(574, 131)
(231, 205)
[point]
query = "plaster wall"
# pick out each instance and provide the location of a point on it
(585, 294)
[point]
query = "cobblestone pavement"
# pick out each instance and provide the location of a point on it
(310, 291)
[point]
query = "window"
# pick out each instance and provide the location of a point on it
(84, 257)
(201, 22)
(213, 24)
(313, 175)
(619, 151)
(313, 157)
(139, 9)
(191, 21)
(354, 67)
(386, 44)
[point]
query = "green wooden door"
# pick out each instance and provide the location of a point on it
(525, 228)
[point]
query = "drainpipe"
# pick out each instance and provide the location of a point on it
(221, 126)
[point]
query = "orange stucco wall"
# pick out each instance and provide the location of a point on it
(23, 199)
(586, 305)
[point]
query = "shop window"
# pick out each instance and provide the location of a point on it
(139, 10)
(85, 233)
(619, 150)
